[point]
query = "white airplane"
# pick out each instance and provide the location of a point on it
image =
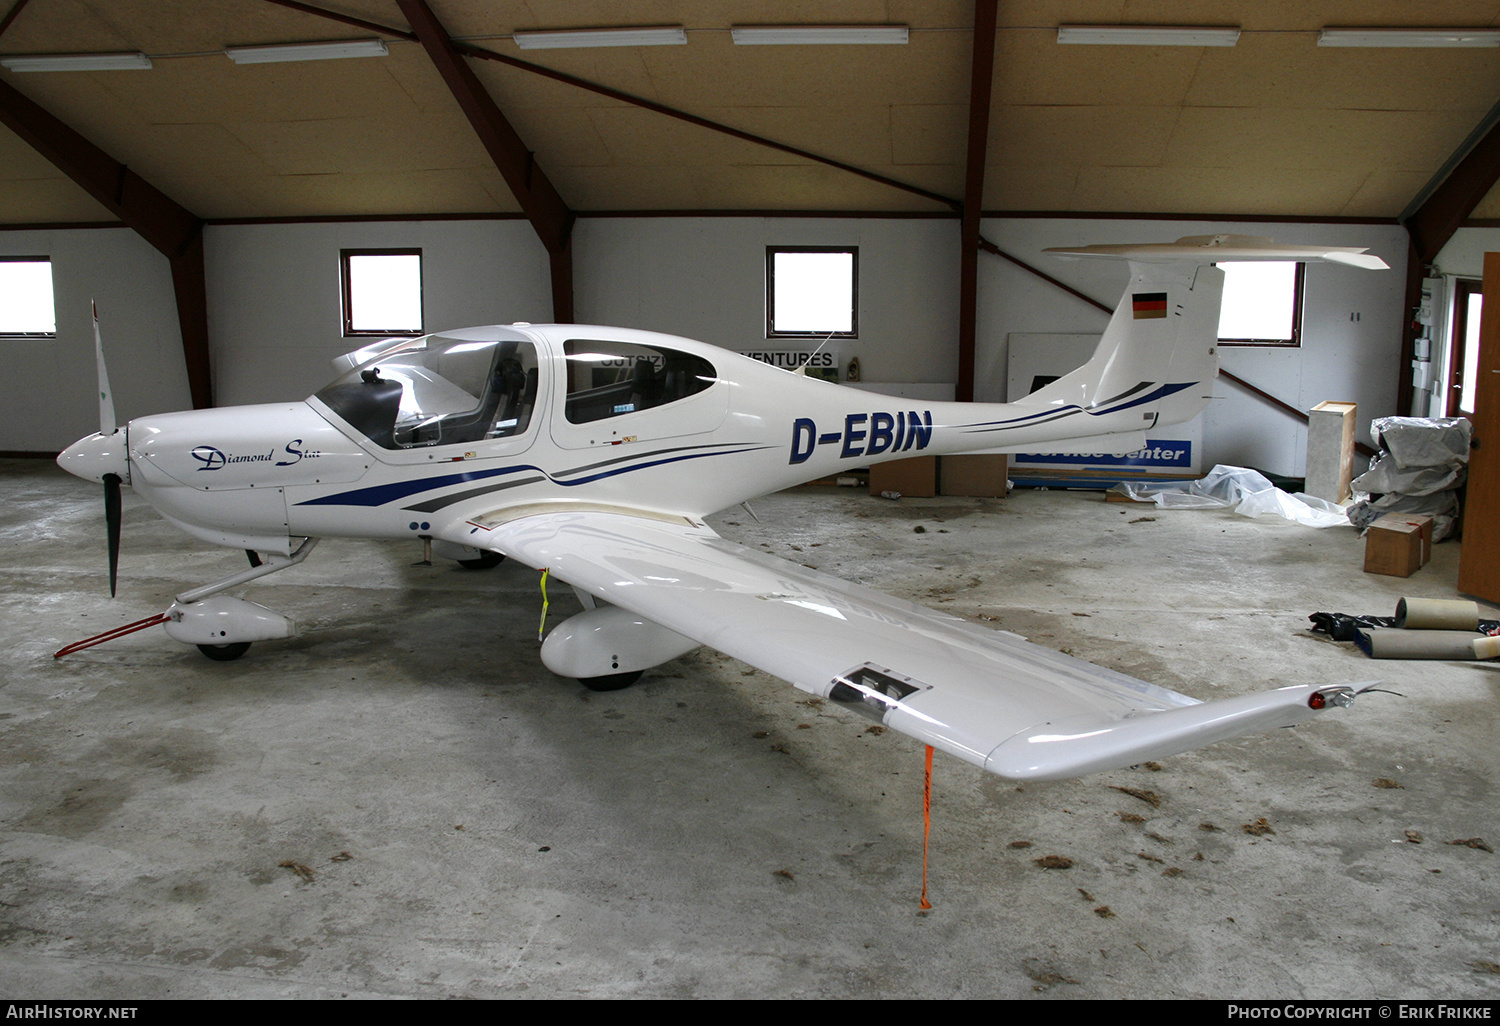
(596, 452)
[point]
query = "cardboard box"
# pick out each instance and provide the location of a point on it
(916, 477)
(979, 476)
(1398, 544)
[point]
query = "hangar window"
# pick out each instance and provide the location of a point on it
(26, 306)
(812, 292)
(1262, 304)
(382, 291)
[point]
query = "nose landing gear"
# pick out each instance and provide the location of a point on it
(223, 626)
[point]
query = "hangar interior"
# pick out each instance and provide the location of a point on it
(402, 801)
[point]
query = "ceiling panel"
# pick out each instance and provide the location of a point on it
(1170, 190)
(1274, 125)
(1289, 70)
(928, 133)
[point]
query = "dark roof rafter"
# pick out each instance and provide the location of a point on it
(1474, 173)
(470, 50)
(981, 88)
(1434, 220)
(543, 205)
(11, 15)
(160, 220)
(174, 231)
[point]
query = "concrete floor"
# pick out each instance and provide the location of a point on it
(402, 802)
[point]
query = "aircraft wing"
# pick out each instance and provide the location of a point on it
(989, 697)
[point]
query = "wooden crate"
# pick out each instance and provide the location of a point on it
(916, 477)
(982, 476)
(1330, 450)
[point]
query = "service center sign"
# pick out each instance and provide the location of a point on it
(1168, 455)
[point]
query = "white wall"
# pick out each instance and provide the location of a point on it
(705, 278)
(1464, 254)
(274, 302)
(274, 317)
(274, 289)
(50, 396)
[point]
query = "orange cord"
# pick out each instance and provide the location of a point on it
(926, 826)
(118, 632)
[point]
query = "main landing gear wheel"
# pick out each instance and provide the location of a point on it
(484, 561)
(611, 681)
(225, 653)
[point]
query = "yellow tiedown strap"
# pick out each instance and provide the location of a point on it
(542, 627)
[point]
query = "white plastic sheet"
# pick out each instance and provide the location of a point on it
(1245, 491)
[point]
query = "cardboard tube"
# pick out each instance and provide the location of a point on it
(1486, 648)
(1437, 614)
(1394, 643)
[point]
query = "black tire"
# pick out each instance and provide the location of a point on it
(611, 681)
(484, 561)
(225, 653)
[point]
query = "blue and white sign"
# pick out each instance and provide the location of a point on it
(1159, 454)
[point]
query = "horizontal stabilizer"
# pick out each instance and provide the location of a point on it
(1213, 248)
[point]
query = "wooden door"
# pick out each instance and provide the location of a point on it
(1479, 558)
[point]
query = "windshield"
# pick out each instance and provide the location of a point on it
(439, 390)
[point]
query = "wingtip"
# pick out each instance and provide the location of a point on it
(1368, 261)
(1076, 748)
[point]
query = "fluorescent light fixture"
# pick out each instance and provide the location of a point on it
(307, 51)
(565, 39)
(817, 35)
(79, 62)
(1147, 35)
(1408, 37)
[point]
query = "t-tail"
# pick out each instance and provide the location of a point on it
(1159, 354)
(1154, 366)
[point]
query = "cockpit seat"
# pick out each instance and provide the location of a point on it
(369, 405)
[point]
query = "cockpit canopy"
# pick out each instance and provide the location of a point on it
(439, 390)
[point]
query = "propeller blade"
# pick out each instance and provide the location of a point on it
(112, 525)
(106, 397)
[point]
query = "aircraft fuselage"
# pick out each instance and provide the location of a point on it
(601, 422)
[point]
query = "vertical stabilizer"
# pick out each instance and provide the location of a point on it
(1160, 351)
(1159, 354)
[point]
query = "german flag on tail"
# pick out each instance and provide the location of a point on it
(1146, 306)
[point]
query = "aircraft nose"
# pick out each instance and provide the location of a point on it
(97, 455)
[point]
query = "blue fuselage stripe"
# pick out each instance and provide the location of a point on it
(379, 495)
(1159, 393)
